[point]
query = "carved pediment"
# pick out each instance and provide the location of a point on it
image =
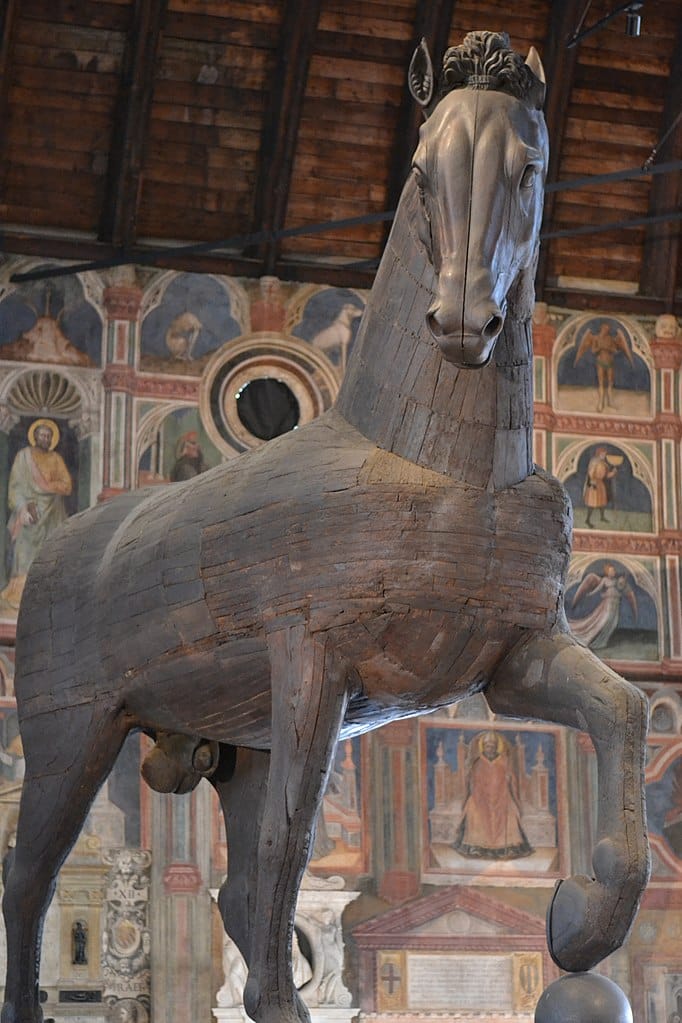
(459, 923)
(454, 913)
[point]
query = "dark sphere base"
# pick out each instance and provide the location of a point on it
(583, 998)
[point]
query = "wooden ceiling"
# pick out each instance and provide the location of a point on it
(135, 128)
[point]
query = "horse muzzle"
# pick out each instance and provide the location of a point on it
(463, 342)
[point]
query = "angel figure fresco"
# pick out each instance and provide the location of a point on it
(597, 627)
(604, 346)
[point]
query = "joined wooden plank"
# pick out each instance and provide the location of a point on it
(560, 64)
(432, 23)
(280, 124)
(118, 216)
(662, 242)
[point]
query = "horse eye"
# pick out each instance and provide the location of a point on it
(528, 176)
(419, 179)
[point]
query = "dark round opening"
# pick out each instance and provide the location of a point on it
(267, 408)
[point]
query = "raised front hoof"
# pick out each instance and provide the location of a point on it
(579, 932)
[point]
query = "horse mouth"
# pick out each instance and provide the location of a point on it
(466, 350)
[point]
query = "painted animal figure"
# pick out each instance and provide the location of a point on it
(397, 554)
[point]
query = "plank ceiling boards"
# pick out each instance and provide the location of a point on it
(134, 127)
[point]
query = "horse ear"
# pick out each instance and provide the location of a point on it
(420, 75)
(535, 64)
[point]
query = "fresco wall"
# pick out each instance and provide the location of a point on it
(442, 837)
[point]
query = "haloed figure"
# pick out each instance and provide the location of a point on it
(491, 816)
(38, 483)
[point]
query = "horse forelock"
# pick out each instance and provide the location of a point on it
(486, 61)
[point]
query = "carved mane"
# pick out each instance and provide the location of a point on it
(485, 61)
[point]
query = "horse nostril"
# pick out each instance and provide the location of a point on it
(433, 324)
(492, 327)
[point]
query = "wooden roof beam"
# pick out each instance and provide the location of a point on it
(7, 13)
(559, 63)
(432, 24)
(281, 123)
(662, 240)
(119, 213)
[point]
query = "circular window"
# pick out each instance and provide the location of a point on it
(267, 408)
(260, 387)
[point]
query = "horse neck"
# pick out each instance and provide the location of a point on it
(474, 425)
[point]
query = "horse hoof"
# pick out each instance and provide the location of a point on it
(583, 997)
(575, 934)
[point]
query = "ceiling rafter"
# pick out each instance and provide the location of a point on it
(7, 12)
(432, 24)
(559, 62)
(281, 123)
(662, 240)
(124, 177)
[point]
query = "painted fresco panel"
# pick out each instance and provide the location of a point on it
(40, 492)
(664, 806)
(613, 606)
(176, 447)
(51, 321)
(600, 368)
(329, 320)
(192, 318)
(493, 801)
(611, 486)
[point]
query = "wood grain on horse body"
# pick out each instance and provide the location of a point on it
(410, 573)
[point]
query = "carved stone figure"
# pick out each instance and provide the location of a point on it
(397, 554)
(79, 937)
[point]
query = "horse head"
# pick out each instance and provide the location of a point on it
(479, 172)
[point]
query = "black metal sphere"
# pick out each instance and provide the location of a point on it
(583, 998)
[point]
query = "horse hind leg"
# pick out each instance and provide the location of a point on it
(68, 753)
(554, 678)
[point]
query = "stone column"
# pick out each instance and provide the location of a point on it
(181, 929)
(122, 304)
(394, 810)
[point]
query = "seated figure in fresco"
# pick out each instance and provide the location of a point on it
(38, 483)
(491, 827)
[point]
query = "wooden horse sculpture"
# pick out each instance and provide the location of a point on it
(397, 554)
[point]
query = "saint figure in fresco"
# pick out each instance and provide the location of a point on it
(604, 346)
(491, 827)
(597, 491)
(38, 483)
(596, 628)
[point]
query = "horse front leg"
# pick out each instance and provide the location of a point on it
(554, 678)
(308, 705)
